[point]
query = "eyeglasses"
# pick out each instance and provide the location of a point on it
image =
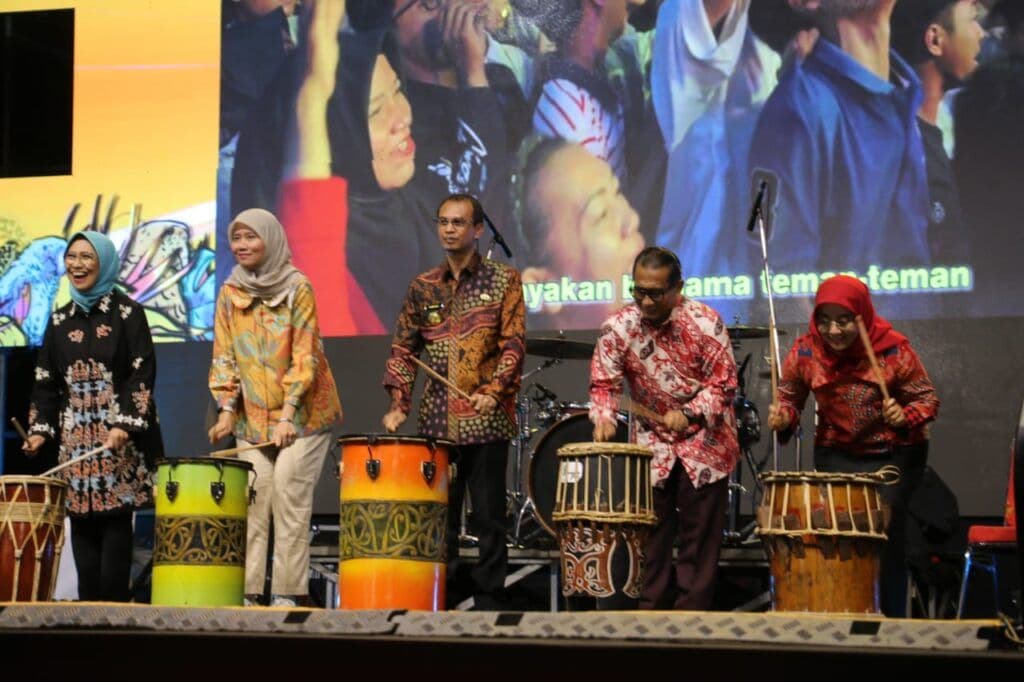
(428, 5)
(457, 223)
(843, 322)
(640, 293)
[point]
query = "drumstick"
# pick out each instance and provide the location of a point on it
(76, 460)
(440, 378)
(17, 427)
(630, 405)
(866, 340)
(232, 452)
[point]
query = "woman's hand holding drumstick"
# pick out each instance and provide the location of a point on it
(30, 444)
(891, 410)
(778, 418)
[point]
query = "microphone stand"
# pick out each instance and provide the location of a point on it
(496, 238)
(757, 219)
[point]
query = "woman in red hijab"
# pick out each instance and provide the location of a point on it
(858, 431)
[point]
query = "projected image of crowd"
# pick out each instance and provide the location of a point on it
(591, 129)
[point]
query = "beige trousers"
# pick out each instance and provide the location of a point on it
(284, 490)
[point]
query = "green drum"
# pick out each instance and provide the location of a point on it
(199, 548)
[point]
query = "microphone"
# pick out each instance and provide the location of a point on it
(498, 239)
(545, 392)
(767, 184)
(757, 206)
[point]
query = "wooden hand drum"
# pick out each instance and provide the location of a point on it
(824, 534)
(603, 508)
(31, 536)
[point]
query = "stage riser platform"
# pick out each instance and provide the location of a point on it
(530, 643)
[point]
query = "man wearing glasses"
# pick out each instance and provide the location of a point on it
(675, 354)
(467, 317)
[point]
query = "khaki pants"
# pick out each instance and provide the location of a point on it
(284, 489)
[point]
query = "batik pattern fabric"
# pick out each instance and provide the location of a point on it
(685, 364)
(849, 399)
(95, 371)
(471, 331)
(266, 357)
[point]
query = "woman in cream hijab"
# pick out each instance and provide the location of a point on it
(271, 383)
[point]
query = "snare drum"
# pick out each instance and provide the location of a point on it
(200, 535)
(603, 508)
(32, 512)
(394, 506)
(573, 427)
(824, 534)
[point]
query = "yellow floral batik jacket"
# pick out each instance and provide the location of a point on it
(265, 357)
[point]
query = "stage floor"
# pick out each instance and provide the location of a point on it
(70, 626)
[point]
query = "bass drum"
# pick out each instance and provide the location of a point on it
(542, 483)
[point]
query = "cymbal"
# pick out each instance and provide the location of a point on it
(565, 349)
(742, 331)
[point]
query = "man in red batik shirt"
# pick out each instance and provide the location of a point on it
(675, 354)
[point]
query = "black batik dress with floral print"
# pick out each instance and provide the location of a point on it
(96, 371)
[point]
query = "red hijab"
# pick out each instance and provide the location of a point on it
(853, 294)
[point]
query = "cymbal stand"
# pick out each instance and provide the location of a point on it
(748, 437)
(519, 503)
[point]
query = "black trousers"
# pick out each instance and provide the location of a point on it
(102, 546)
(911, 460)
(694, 518)
(480, 469)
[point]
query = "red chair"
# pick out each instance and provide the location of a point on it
(985, 543)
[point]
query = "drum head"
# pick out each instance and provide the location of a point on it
(543, 473)
(364, 439)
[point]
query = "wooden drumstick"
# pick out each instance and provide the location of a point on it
(440, 378)
(233, 452)
(866, 340)
(76, 460)
(628, 404)
(17, 427)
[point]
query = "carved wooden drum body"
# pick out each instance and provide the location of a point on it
(32, 510)
(603, 510)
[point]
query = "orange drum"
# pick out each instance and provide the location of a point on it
(394, 505)
(824, 534)
(31, 536)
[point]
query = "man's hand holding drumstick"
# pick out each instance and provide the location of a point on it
(482, 403)
(674, 420)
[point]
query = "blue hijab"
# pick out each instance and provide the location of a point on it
(109, 264)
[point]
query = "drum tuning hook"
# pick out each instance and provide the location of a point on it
(217, 487)
(171, 488)
(428, 469)
(372, 465)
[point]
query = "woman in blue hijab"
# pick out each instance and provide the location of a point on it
(94, 387)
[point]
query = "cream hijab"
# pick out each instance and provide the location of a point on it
(275, 279)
